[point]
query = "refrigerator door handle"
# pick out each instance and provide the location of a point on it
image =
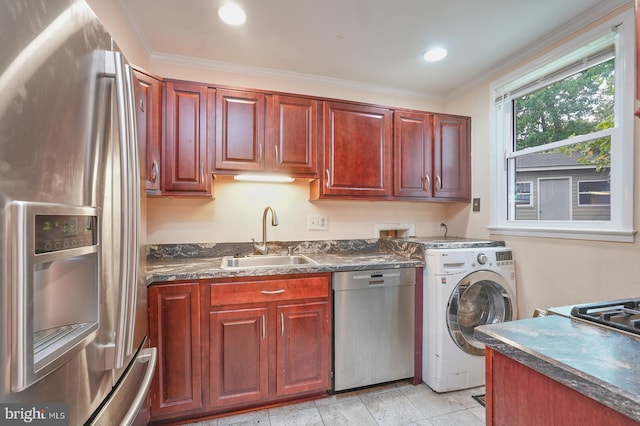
(133, 190)
(129, 396)
(150, 356)
(127, 139)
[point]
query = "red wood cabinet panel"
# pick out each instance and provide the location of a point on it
(148, 95)
(174, 328)
(519, 395)
(239, 370)
(303, 348)
(269, 290)
(413, 160)
(187, 169)
(240, 130)
(295, 135)
(452, 157)
(357, 152)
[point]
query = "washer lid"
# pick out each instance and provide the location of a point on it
(482, 297)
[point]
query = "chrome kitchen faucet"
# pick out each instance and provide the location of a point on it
(274, 222)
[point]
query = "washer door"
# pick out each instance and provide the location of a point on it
(482, 297)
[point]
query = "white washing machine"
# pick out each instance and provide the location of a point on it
(463, 288)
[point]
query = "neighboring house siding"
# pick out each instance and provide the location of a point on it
(530, 212)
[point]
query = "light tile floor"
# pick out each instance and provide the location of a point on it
(387, 405)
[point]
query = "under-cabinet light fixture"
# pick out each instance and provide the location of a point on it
(264, 178)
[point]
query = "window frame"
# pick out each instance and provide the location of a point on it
(530, 203)
(620, 226)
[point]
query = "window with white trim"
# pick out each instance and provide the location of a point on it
(594, 193)
(523, 193)
(567, 117)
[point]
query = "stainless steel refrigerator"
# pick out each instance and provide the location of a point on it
(73, 319)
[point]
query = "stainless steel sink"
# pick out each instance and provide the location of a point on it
(230, 262)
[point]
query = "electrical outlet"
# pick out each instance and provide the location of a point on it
(316, 222)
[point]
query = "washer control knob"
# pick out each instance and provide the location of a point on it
(482, 258)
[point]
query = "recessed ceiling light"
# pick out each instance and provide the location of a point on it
(434, 54)
(232, 14)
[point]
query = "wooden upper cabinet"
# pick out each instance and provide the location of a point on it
(452, 157)
(413, 164)
(148, 93)
(357, 152)
(240, 130)
(295, 136)
(257, 132)
(187, 169)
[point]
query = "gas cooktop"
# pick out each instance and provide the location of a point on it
(619, 314)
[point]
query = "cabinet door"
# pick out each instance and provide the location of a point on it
(239, 359)
(174, 328)
(452, 162)
(295, 129)
(413, 136)
(519, 395)
(357, 151)
(303, 348)
(149, 122)
(186, 154)
(240, 121)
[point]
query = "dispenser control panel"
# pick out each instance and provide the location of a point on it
(63, 232)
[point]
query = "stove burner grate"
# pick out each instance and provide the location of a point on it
(620, 314)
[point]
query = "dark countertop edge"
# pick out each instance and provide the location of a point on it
(583, 383)
(215, 272)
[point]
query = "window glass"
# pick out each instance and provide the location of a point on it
(523, 193)
(579, 104)
(594, 193)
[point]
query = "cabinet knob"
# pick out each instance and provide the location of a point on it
(427, 179)
(438, 183)
(328, 182)
(202, 171)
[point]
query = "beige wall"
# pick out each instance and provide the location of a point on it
(236, 215)
(550, 272)
(114, 21)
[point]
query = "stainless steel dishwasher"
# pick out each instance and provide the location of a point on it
(373, 337)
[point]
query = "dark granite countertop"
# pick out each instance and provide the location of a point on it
(210, 268)
(599, 363)
(172, 262)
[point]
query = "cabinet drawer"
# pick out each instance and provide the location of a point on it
(269, 290)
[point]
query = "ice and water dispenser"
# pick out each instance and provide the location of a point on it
(55, 276)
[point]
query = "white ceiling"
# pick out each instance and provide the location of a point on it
(375, 44)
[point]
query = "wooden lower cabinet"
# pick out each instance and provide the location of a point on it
(239, 357)
(239, 343)
(302, 357)
(272, 342)
(519, 395)
(174, 329)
